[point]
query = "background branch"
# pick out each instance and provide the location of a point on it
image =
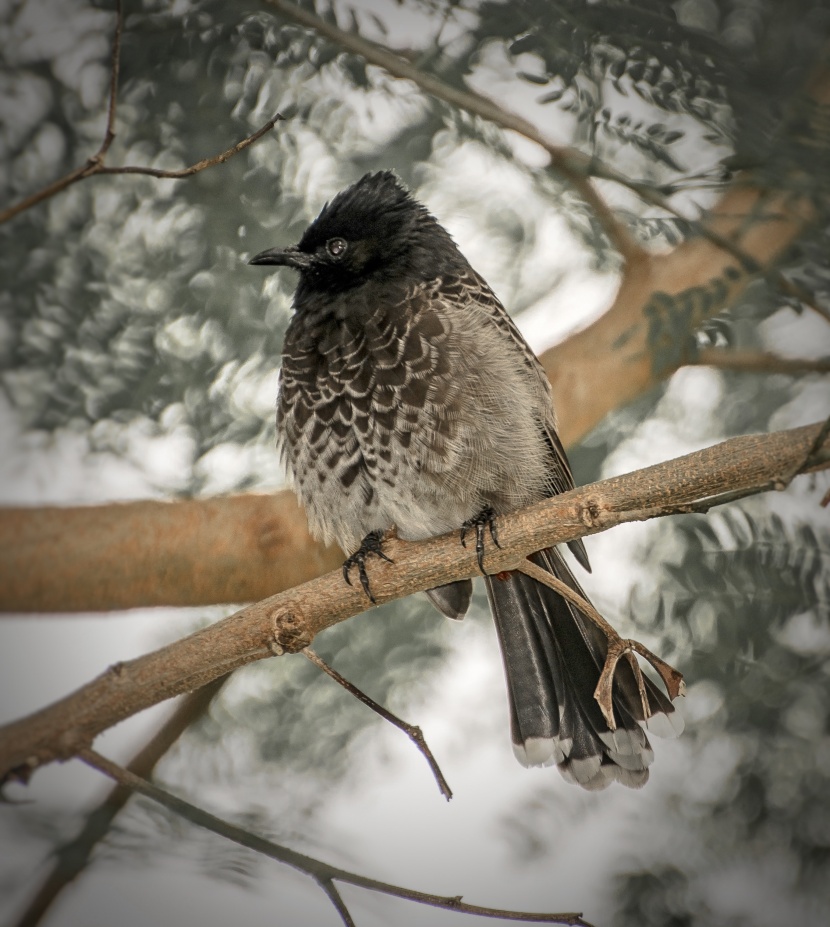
(412, 731)
(72, 858)
(193, 552)
(759, 362)
(95, 164)
(570, 163)
(322, 873)
(289, 621)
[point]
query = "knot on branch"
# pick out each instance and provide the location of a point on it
(291, 634)
(590, 512)
(70, 743)
(21, 774)
(116, 671)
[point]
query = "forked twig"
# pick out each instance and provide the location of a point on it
(322, 873)
(95, 163)
(617, 647)
(412, 731)
(73, 857)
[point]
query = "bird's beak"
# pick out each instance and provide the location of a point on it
(288, 257)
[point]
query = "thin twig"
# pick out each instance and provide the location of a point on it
(320, 871)
(412, 731)
(758, 362)
(109, 134)
(93, 167)
(199, 165)
(336, 899)
(73, 857)
(548, 579)
(95, 163)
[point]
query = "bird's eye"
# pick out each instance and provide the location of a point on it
(336, 247)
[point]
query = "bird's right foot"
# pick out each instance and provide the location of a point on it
(486, 518)
(372, 544)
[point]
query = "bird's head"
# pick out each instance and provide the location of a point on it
(372, 229)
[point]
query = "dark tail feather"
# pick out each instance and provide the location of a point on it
(553, 657)
(452, 599)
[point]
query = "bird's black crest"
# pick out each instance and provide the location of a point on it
(376, 206)
(386, 233)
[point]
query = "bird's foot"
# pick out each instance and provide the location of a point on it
(619, 647)
(372, 544)
(486, 518)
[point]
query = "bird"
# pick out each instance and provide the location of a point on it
(409, 401)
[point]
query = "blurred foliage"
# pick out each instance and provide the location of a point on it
(128, 305)
(748, 602)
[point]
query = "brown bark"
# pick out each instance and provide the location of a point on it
(612, 361)
(241, 548)
(289, 621)
(234, 549)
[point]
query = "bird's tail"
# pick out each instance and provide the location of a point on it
(553, 657)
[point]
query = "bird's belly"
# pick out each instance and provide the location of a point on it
(366, 480)
(368, 452)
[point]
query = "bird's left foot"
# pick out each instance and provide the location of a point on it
(372, 544)
(486, 518)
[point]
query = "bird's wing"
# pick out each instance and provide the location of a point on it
(479, 293)
(560, 476)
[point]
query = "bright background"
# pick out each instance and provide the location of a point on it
(139, 361)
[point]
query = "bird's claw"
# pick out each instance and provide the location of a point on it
(371, 544)
(486, 518)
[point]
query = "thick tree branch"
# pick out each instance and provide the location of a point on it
(289, 621)
(322, 873)
(194, 552)
(636, 340)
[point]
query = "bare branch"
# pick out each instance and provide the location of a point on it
(758, 362)
(570, 163)
(322, 873)
(115, 67)
(72, 858)
(95, 164)
(412, 731)
(289, 621)
(199, 165)
(336, 899)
